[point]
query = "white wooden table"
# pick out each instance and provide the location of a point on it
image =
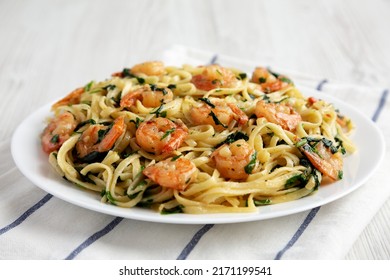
(49, 47)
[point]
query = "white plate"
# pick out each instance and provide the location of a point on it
(33, 163)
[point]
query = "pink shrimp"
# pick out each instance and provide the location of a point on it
(269, 82)
(72, 98)
(57, 132)
(232, 160)
(150, 97)
(214, 76)
(149, 68)
(328, 163)
(172, 173)
(280, 114)
(161, 136)
(217, 113)
(89, 139)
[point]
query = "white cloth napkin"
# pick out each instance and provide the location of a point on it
(36, 225)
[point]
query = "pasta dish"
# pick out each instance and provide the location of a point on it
(205, 139)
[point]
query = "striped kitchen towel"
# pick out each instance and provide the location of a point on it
(36, 225)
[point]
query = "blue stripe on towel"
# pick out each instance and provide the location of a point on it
(97, 235)
(26, 214)
(321, 84)
(313, 212)
(298, 233)
(194, 241)
(381, 104)
(214, 59)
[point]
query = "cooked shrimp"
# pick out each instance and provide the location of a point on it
(57, 132)
(269, 82)
(214, 76)
(72, 98)
(236, 160)
(100, 138)
(149, 96)
(283, 115)
(170, 173)
(161, 136)
(217, 113)
(150, 68)
(328, 163)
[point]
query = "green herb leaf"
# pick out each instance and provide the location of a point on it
(340, 145)
(273, 73)
(168, 132)
(159, 112)
(340, 174)
(233, 137)
(262, 80)
(242, 76)
(301, 142)
(176, 157)
(216, 81)
(55, 139)
(285, 80)
(80, 125)
(110, 198)
(266, 98)
(252, 163)
(295, 180)
(134, 195)
(140, 80)
(145, 204)
(137, 122)
(101, 134)
(327, 142)
(109, 87)
(126, 72)
(174, 210)
(88, 86)
(207, 101)
(262, 202)
(216, 120)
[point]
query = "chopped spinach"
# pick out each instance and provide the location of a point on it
(252, 163)
(137, 122)
(207, 101)
(261, 202)
(109, 87)
(88, 86)
(55, 139)
(295, 180)
(159, 112)
(216, 120)
(126, 72)
(174, 210)
(242, 76)
(233, 137)
(176, 157)
(81, 124)
(167, 133)
(134, 195)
